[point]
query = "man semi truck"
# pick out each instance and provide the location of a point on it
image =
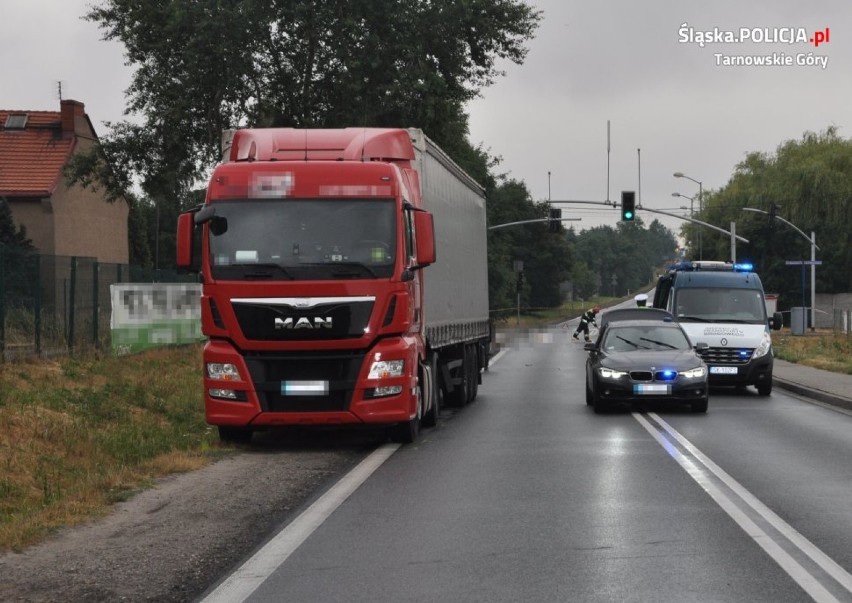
(344, 281)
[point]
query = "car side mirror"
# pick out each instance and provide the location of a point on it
(701, 346)
(591, 346)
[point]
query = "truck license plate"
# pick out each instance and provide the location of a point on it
(304, 388)
(652, 388)
(723, 370)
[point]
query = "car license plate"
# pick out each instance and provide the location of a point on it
(723, 370)
(652, 388)
(304, 388)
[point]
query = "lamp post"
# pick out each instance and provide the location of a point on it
(700, 207)
(813, 262)
(691, 199)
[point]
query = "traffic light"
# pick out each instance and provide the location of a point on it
(628, 205)
(555, 220)
(520, 284)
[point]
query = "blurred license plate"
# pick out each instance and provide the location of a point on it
(652, 388)
(304, 388)
(723, 370)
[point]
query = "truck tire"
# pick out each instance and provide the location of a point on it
(431, 397)
(459, 395)
(474, 372)
(235, 435)
(407, 432)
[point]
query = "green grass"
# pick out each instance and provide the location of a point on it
(78, 434)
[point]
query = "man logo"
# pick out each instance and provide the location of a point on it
(303, 322)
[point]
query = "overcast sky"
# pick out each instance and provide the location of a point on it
(673, 105)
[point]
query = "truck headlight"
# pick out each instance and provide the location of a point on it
(763, 347)
(608, 373)
(695, 373)
(386, 368)
(222, 371)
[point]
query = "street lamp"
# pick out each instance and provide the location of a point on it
(813, 262)
(691, 199)
(700, 207)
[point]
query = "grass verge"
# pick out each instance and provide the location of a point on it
(819, 349)
(79, 434)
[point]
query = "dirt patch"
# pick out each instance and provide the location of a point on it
(172, 542)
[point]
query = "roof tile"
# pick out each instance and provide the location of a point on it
(32, 159)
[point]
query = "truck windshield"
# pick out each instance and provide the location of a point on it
(293, 239)
(719, 304)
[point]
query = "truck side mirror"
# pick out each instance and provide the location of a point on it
(187, 260)
(425, 238)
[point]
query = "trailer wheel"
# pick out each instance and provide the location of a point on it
(235, 435)
(431, 396)
(473, 388)
(459, 395)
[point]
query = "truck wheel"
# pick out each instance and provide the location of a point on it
(459, 395)
(235, 435)
(473, 378)
(765, 388)
(431, 396)
(406, 433)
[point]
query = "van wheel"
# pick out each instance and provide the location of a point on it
(765, 388)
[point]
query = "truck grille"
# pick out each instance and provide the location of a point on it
(275, 321)
(727, 355)
(270, 372)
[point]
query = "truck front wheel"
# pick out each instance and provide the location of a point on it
(431, 398)
(235, 435)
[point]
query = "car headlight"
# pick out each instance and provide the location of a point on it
(608, 373)
(763, 347)
(223, 371)
(695, 373)
(386, 368)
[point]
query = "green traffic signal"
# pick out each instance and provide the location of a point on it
(628, 205)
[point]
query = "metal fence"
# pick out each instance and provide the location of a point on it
(842, 322)
(56, 305)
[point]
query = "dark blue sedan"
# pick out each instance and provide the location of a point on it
(646, 360)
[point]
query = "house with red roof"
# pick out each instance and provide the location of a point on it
(60, 219)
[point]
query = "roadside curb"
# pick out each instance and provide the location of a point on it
(810, 392)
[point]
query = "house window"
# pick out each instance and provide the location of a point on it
(16, 121)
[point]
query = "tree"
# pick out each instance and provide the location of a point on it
(205, 66)
(623, 258)
(12, 237)
(811, 181)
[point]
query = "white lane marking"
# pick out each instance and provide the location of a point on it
(806, 546)
(245, 580)
(802, 577)
(496, 357)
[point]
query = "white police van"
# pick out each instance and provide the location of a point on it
(723, 305)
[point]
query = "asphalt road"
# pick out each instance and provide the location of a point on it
(527, 495)
(524, 495)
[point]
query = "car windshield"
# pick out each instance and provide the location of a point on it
(631, 338)
(304, 239)
(720, 305)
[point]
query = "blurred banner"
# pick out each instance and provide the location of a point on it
(154, 314)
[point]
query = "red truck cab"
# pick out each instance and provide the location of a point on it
(310, 247)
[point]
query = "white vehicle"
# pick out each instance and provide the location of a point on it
(723, 305)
